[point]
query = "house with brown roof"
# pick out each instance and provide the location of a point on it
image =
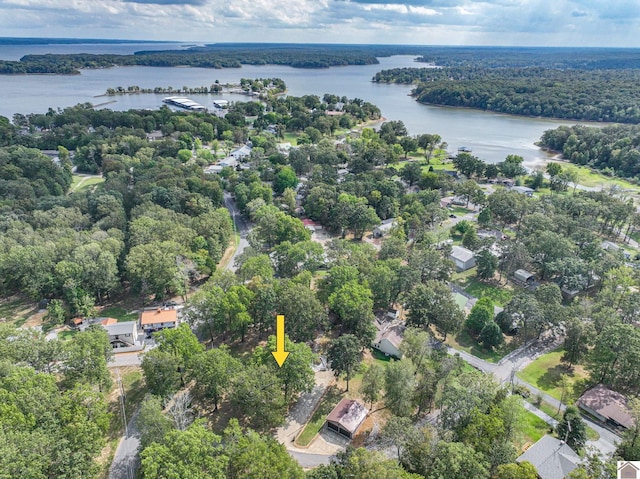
(156, 319)
(607, 406)
(346, 417)
(388, 339)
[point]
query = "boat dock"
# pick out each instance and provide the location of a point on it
(183, 102)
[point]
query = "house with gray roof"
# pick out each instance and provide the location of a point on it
(552, 458)
(123, 336)
(463, 258)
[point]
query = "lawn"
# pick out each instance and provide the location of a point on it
(463, 342)
(81, 183)
(587, 177)
(533, 427)
(119, 313)
(479, 289)
(459, 210)
(291, 138)
(68, 334)
(545, 373)
(331, 397)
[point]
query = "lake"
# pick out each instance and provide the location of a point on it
(490, 136)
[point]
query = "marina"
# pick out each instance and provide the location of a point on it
(183, 102)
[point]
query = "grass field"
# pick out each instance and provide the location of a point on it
(331, 397)
(119, 313)
(533, 427)
(81, 183)
(546, 373)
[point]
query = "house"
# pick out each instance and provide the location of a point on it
(157, 319)
(213, 169)
(606, 405)
(610, 246)
(221, 104)
(311, 225)
(523, 190)
(123, 336)
(384, 227)
(629, 470)
(346, 417)
(228, 161)
(243, 152)
(463, 258)
(523, 277)
(552, 458)
(388, 339)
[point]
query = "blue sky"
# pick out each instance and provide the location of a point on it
(444, 22)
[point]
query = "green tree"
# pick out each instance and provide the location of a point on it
(286, 178)
(480, 315)
(491, 335)
(256, 396)
(486, 264)
(411, 173)
(372, 383)
(344, 356)
(517, 470)
(196, 453)
(399, 383)
(353, 304)
(454, 460)
(572, 429)
(302, 310)
(512, 166)
(56, 314)
(576, 341)
(295, 374)
(213, 372)
(152, 424)
(432, 303)
(87, 356)
(161, 372)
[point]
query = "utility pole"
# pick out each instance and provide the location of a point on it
(130, 474)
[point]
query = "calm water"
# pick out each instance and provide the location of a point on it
(491, 136)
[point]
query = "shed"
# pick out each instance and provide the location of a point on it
(346, 417)
(606, 405)
(463, 258)
(388, 339)
(523, 276)
(552, 458)
(523, 190)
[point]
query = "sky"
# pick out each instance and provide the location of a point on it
(604, 23)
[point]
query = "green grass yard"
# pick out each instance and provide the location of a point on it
(16, 310)
(500, 295)
(331, 397)
(119, 313)
(533, 427)
(545, 373)
(81, 183)
(463, 342)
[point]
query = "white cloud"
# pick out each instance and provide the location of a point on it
(519, 22)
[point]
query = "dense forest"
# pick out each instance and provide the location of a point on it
(613, 149)
(233, 55)
(534, 91)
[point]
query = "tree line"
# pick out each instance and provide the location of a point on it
(528, 91)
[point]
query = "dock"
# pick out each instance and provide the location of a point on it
(183, 102)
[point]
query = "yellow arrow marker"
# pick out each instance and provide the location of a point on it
(280, 354)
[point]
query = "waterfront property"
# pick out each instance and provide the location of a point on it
(183, 102)
(346, 417)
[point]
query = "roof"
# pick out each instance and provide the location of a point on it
(77, 321)
(349, 414)
(607, 403)
(522, 275)
(552, 458)
(308, 222)
(128, 327)
(158, 316)
(522, 189)
(390, 332)
(386, 225)
(108, 321)
(461, 254)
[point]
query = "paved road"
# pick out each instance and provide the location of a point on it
(242, 227)
(504, 372)
(126, 460)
